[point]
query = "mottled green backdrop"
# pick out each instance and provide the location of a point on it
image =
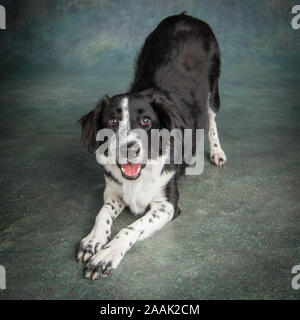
(92, 35)
(238, 235)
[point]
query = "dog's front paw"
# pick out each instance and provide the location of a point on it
(104, 261)
(90, 246)
(218, 157)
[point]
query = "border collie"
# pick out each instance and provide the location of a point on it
(175, 86)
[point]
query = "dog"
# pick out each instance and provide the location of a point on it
(175, 86)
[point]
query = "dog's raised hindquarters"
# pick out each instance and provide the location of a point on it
(175, 87)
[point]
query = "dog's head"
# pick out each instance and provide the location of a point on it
(119, 129)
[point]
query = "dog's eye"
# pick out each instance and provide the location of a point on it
(145, 121)
(113, 122)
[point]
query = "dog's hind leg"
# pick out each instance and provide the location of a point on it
(217, 155)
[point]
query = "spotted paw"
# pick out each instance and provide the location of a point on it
(218, 157)
(104, 262)
(89, 247)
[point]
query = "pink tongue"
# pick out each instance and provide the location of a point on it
(131, 169)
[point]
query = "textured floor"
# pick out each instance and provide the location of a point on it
(238, 236)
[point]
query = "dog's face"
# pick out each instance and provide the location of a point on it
(119, 130)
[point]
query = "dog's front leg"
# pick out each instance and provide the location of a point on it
(109, 257)
(101, 231)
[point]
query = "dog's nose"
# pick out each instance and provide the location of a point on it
(134, 148)
(131, 144)
(130, 150)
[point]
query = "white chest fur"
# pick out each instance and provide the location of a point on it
(149, 187)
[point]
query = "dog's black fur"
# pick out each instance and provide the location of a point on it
(181, 59)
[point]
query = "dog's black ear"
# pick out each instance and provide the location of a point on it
(90, 125)
(169, 116)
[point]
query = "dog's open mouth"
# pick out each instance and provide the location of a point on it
(130, 170)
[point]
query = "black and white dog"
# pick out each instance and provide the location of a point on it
(175, 86)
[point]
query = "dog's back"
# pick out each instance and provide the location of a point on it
(181, 56)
